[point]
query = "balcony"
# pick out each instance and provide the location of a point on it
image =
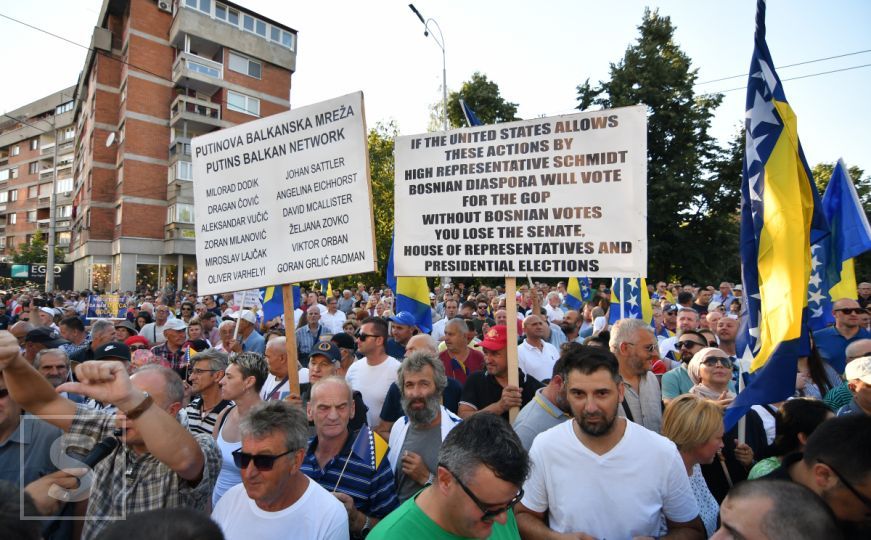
(198, 114)
(198, 73)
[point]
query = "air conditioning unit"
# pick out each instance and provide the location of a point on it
(164, 5)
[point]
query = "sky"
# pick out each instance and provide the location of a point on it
(537, 52)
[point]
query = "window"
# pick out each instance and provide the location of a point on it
(261, 28)
(180, 213)
(34, 144)
(65, 185)
(69, 133)
(13, 218)
(248, 22)
(65, 211)
(4, 197)
(45, 190)
(63, 238)
(32, 192)
(2, 242)
(203, 5)
(184, 170)
(13, 195)
(243, 64)
(275, 34)
(15, 150)
(123, 93)
(31, 216)
(118, 215)
(242, 103)
(33, 168)
(65, 107)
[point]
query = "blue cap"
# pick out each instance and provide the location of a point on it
(405, 318)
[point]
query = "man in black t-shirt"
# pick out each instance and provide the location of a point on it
(488, 390)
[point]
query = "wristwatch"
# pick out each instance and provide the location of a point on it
(143, 406)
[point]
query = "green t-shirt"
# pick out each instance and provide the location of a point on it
(409, 521)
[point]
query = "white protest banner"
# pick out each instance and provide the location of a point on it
(550, 197)
(248, 299)
(284, 199)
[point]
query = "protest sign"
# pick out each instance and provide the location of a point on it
(284, 199)
(549, 197)
(107, 306)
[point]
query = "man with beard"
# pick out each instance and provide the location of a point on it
(677, 381)
(416, 438)
(633, 344)
(570, 325)
(547, 409)
(601, 463)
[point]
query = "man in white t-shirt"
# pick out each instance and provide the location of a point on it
(372, 375)
(333, 319)
(535, 356)
(595, 475)
(275, 499)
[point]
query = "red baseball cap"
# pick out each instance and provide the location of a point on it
(496, 338)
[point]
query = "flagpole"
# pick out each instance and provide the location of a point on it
(239, 317)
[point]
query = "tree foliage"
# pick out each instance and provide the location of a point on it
(483, 96)
(692, 186)
(36, 251)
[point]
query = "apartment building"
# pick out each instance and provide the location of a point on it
(158, 74)
(36, 151)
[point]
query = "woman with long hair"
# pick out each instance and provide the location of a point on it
(695, 425)
(795, 421)
(815, 376)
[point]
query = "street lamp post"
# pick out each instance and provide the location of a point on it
(440, 41)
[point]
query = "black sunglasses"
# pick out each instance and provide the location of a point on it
(362, 336)
(488, 513)
(865, 500)
(851, 311)
(714, 360)
(262, 462)
(687, 344)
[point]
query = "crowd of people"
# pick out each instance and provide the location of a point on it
(189, 426)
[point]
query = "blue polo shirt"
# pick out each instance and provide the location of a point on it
(368, 482)
(832, 346)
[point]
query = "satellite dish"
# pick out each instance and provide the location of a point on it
(110, 140)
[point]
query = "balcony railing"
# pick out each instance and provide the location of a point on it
(197, 64)
(195, 110)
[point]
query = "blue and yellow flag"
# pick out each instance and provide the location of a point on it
(412, 295)
(851, 234)
(272, 301)
(780, 219)
(370, 447)
(578, 291)
(469, 114)
(629, 300)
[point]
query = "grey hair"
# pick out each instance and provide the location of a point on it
(217, 359)
(226, 323)
(101, 326)
(796, 512)
(552, 294)
(252, 364)
(625, 330)
(267, 417)
(332, 379)
(174, 387)
(458, 321)
(56, 352)
(415, 362)
(278, 342)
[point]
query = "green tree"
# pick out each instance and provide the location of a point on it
(655, 72)
(36, 251)
(483, 96)
(381, 167)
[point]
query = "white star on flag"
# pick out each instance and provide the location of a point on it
(762, 111)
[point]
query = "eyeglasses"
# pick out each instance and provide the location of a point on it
(712, 361)
(865, 500)
(852, 311)
(688, 344)
(362, 336)
(488, 513)
(649, 348)
(198, 371)
(262, 462)
(136, 347)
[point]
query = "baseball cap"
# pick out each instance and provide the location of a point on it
(327, 349)
(496, 338)
(246, 315)
(174, 324)
(113, 349)
(669, 307)
(860, 368)
(344, 341)
(738, 287)
(136, 340)
(714, 305)
(46, 336)
(404, 317)
(48, 310)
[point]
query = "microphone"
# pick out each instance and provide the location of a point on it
(100, 451)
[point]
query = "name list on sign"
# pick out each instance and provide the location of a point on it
(285, 198)
(561, 196)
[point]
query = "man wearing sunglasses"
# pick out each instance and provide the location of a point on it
(594, 475)
(836, 465)
(275, 499)
(634, 345)
(832, 341)
(373, 374)
(481, 469)
(677, 381)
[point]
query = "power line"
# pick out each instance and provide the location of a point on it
(787, 66)
(800, 77)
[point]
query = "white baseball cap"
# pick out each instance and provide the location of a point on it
(860, 368)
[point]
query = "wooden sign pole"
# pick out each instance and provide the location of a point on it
(290, 341)
(511, 349)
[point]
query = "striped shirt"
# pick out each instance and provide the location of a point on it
(371, 488)
(196, 422)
